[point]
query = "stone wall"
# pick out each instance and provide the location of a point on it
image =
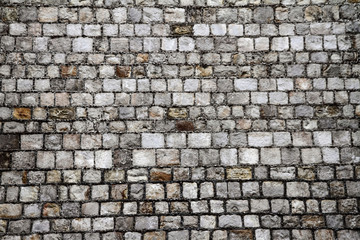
(179, 119)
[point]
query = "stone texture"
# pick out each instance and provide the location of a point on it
(179, 119)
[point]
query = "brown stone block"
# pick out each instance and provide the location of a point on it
(22, 113)
(123, 71)
(145, 207)
(142, 58)
(185, 126)
(313, 221)
(182, 30)
(160, 175)
(241, 234)
(68, 71)
(62, 113)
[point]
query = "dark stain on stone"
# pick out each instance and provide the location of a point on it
(5, 160)
(185, 126)
(8, 142)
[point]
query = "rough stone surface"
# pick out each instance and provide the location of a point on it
(179, 119)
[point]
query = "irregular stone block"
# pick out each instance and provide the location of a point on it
(62, 113)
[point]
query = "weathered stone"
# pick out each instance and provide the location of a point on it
(142, 58)
(51, 210)
(185, 126)
(68, 71)
(9, 142)
(62, 113)
(313, 13)
(241, 234)
(177, 113)
(123, 71)
(327, 111)
(160, 175)
(10, 210)
(182, 30)
(237, 173)
(313, 221)
(146, 223)
(9, 14)
(22, 113)
(202, 71)
(5, 160)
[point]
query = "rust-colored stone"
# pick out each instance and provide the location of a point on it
(5, 160)
(24, 177)
(182, 30)
(241, 234)
(354, 1)
(62, 113)
(142, 58)
(51, 210)
(236, 173)
(177, 113)
(123, 71)
(22, 113)
(68, 71)
(160, 176)
(203, 71)
(313, 221)
(185, 126)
